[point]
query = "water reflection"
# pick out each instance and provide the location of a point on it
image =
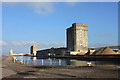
(53, 61)
(33, 58)
(35, 61)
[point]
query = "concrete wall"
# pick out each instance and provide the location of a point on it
(33, 49)
(70, 39)
(77, 38)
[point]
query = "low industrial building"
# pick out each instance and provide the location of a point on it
(52, 52)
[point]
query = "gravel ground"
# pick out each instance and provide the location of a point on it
(15, 70)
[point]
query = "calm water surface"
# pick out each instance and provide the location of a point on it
(36, 61)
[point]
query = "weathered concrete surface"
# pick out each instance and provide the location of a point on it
(4, 67)
(77, 38)
(12, 70)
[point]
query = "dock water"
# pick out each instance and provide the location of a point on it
(16, 70)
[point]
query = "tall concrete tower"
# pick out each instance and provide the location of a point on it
(77, 37)
(34, 49)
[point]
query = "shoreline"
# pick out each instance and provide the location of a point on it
(16, 70)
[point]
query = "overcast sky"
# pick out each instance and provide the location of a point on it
(45, 23)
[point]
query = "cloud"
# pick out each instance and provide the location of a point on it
(24, 46)
(104, 35)
(45, 7)
(51, 44)
(2, 43)
(30, 43)
(71, 4)
(42, 8)
(102, 44)
(22, 43)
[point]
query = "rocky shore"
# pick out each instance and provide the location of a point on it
(12, 70)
